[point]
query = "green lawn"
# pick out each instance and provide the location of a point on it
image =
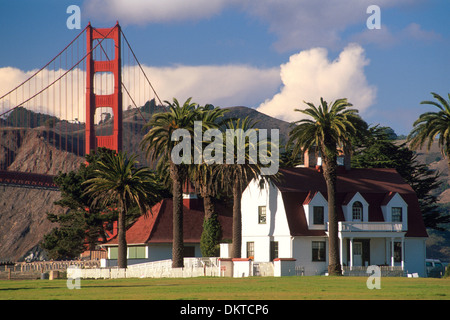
(254, 288)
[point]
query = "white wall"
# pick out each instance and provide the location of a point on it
(415, 255)
(276, 227)
(302, 248)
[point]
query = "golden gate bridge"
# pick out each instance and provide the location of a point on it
(74, 102)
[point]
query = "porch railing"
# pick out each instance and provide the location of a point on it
(350, 226)
(386, 271)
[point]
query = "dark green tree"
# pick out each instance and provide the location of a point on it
(209, 242)
(83, 224)
(68, 240)
(377, 149)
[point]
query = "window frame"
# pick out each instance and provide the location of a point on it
(262, 215)
(359, 208)
(396, 215)
(318, 251)
(273, 250)
(250, 249)
(322, 218)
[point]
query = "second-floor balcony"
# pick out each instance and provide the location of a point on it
(356, 226)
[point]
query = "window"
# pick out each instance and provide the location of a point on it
(318, 251)
(136, 252)
(250, 249)
(273, 250)
(262, 214)
(318, 215)
(396, 214)
(188, 252)
(113, 253)
(357, 211)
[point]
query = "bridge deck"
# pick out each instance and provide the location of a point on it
(27, 180)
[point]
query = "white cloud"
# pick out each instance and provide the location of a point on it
(310, 75)
(151, 11)
(64, 99)
(307, 76)
(223, 86)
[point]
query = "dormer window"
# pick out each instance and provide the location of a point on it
(357, 211)
(395, 209)
(355, 208)
(315, 207)
(397, 213)
(319, 212)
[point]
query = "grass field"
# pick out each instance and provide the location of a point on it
(253, 288)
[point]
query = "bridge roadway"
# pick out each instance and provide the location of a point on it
(27, 180)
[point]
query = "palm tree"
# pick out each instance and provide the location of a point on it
(202, 174)
(429, 125)
(237, 174)
(330, 129)
(118, 182)
(159, 145)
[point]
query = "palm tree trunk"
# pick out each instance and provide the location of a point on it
(208, 205)
(177, 192)
(122, 240)
(329, 173)
(237, 223)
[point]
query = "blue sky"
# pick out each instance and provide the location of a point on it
(265, 54)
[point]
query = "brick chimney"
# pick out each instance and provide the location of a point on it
(312, 159)
(190, 197)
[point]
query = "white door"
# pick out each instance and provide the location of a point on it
(357, 254)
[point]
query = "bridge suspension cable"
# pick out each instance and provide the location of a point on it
(50, 103)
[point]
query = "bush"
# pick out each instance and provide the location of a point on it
(209, 242)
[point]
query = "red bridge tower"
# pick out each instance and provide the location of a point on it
(94, 101)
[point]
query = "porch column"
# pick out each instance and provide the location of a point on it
(392, 252)
(340, 251)
(403, 253)
(351, 253)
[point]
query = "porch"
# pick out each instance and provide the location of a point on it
(372, 243)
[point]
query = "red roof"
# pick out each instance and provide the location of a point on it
(156, 226)
(299, 185)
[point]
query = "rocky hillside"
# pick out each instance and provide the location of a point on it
(23, 219)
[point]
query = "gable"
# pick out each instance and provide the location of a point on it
(348, 203)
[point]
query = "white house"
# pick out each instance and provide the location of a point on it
(380, 222)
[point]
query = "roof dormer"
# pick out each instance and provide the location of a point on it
(316, 211)
(355, 208)
(395, 209)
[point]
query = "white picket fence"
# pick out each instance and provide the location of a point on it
(193, 267)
